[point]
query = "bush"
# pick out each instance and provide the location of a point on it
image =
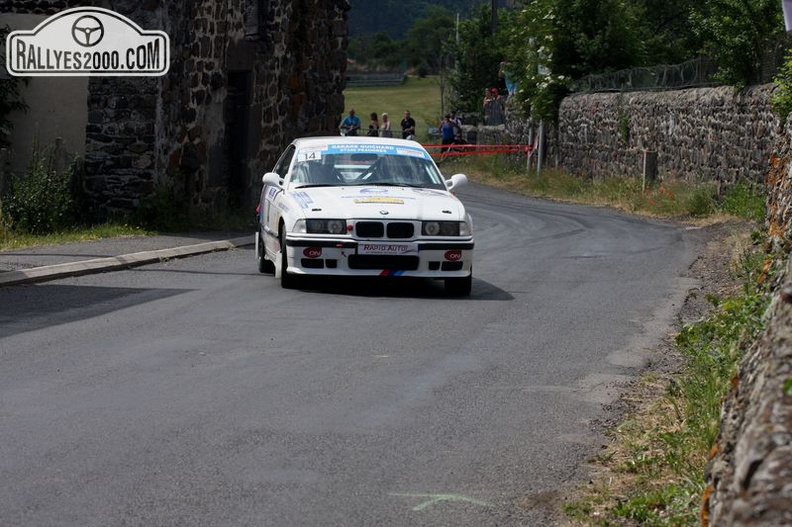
(701, 201)
(42, 200)
(745, 200)
(163, 210)
(782, 96)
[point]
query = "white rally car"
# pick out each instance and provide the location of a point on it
(363, 206)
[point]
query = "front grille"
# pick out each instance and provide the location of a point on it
(370, 229)
(378, 229)
(400, 230)
(383, 261)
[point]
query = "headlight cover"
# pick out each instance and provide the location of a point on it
(445, 228)
(320, 226)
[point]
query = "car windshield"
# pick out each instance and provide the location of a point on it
(384, 165)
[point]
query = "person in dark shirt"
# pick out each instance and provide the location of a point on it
(374, 125)
(408, 126)
(447, 132)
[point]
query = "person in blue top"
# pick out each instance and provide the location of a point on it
(350, 124)
(448, 131)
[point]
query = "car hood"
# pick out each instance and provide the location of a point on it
(378, 202)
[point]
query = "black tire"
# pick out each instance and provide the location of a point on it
(459, 286)
(288, 281)
(264, 265)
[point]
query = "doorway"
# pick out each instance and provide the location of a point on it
(237, 121)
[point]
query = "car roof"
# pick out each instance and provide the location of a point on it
(306, 142)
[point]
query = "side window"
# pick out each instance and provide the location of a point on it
(282, 166)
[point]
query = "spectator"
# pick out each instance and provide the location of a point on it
(350, 124)
(385, 127)
(505, 75)
(447, 133)
(458, 125)
(408, 126)
(374, 125)
(493, 108)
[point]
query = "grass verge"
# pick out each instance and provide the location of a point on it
(15, 240)
(678, 199)
(419, 95)
(653, 471)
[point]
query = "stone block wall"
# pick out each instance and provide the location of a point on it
(246, 77)
(706, 133)
(289, 72)
(750, 479)
(120, 164)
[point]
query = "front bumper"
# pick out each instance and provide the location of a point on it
(344, 257)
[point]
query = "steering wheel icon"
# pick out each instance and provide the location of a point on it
(87, 31)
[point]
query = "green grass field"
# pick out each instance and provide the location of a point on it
(420, 96)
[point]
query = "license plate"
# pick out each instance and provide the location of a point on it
(387, 248)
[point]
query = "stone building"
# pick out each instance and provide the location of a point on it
(245, 78)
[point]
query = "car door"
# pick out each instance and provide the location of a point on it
(271, 196)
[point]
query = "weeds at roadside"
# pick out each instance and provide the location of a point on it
(655, 464)
(15, 240)
(674, 199)
(40, 209)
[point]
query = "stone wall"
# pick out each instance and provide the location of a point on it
(750, 476)
(246, 77)
(710, 133)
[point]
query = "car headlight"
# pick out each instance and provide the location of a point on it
(445, 228)
(321, 226)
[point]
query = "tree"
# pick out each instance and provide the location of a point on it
(593, 36)
(427, 39)
(379, 51)
(666, 31)
(738, 35)
(552, 42)
(477, 57)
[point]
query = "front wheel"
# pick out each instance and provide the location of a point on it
(459, 286)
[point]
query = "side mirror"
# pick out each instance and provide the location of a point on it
(271, 178)
(456, 181)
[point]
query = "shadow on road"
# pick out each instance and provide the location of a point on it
(399, 288)
(31, 308)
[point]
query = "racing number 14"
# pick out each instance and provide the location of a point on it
(309, 156)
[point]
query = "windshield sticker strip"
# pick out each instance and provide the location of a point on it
(358, 148)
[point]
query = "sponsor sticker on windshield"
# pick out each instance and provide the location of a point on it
(86, 41)
(368, 148)
(410, 152)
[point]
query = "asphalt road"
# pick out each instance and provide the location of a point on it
(198, 392)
